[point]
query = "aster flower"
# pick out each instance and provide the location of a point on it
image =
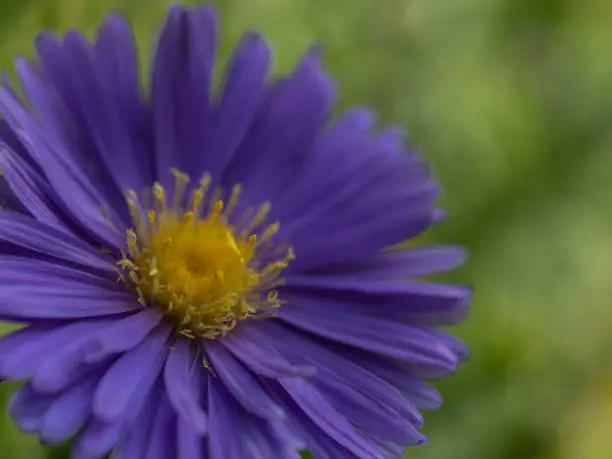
(207, 277)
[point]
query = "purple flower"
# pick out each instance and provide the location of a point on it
(206, 277)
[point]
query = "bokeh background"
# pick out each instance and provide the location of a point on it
(511, 100)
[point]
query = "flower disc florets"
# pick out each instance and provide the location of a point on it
(203, 271)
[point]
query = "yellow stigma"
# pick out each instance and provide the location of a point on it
(202, 271)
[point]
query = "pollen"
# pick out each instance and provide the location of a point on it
(203, 267)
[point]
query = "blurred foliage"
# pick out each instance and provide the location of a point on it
(511, 101)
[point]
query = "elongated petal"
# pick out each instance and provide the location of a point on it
(125, 378)
(370, 415)
(380, 336)
(261, 357)
(162, 442)
(135, 441)
(318, 443)
(117, 61)
(102, 114)
(78, 198)
(404, 264)
(380, 221)
(294, 111)
(123, 335)
(24, 352)
(414, 302)
(400, 376)
(90, 103)
(36, 289)
(337, 139)
(63, 367)
(8, 200)
(241, 383)
(31, 234)
(389, 199)
(182, 377)
(190, 445)
(336, 370)
(96, 440)
(27, 183)
(243, 93)
(182, 74)
(68, 411)
(27, 408)
(224, 417)
(329, 420)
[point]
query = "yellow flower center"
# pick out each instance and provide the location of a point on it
(203, 271)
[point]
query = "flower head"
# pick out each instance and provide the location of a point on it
(206, 276)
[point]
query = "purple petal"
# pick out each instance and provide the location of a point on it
(100, 113)
(69, 96)
(334, 370)
(293, 113)
(36, 289)
(224, 417)
(400, 376)
(403, 264)
(136, 440)
(319, 444)
(68, 411)
(367, 225)
(413, 302)
(23, 352)
(117, 59)
(390, 450)
(78, 197)
(8, 200)
(181, 376)
(329, 420)
(23, 341)
(389, 199)
(125, 378)
(241, 383)
(34, 235)
(64, 123)
(370, 415)
(63, 367)
(323, 447)
(26, 182)
(123, 335)
(340, 138)
(96, 440)
(162, 442)
(370, 158)
(182, 74)
(6, 81)
(27, 408)
(257, 439)
(454, 344)
(261, 357)
(262, 441)
(377, 335)
(242, 95)
(190, 445)
(287, 432)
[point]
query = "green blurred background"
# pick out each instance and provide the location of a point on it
(511, 100)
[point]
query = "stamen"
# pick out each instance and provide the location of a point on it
(180, 185)
(159, 198)
(233, 200)
(201, 270)
(258, 219)
(269, 232)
